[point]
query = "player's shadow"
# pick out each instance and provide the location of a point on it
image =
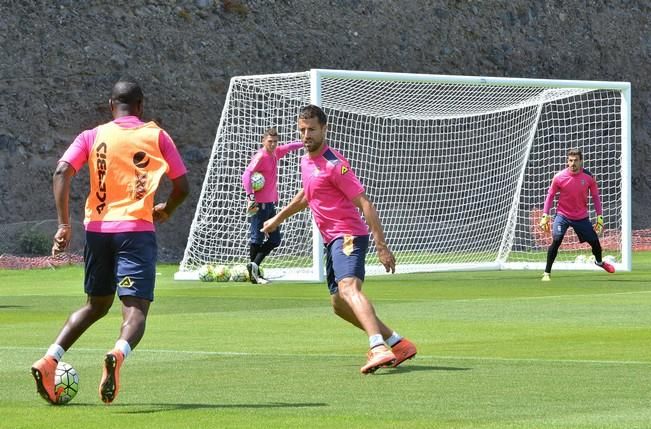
(160, 408)
(416, 368)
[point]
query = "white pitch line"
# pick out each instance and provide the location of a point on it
(334, 355)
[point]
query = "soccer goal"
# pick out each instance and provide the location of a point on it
(457, 166)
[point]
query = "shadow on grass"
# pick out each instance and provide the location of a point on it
(417, 368)
(159, 408)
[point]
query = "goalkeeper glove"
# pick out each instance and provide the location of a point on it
(251, 205)
(544, 222)
(599, 225)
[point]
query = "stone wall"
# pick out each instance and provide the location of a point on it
(60, 59)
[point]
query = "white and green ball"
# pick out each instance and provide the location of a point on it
(66, 380)
(580, 259)
(221, 273)
(206, 273)
(239, 273)
(257, 181)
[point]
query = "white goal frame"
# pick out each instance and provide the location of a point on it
(249, 136)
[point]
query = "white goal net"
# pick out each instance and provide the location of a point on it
(458, 167)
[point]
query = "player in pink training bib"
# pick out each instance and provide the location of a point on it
(335, 196)
(126, 158)
(573, 185)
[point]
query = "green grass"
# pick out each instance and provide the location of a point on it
(496, 350)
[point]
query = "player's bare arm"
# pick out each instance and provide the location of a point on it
(180, 190)
(61, 182)
(297, 204)
(373, 220)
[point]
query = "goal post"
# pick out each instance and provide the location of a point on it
(457, 166)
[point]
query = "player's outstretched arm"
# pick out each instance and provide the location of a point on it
(180, 190)
(297, 204)
(373, 220)
(61, 181)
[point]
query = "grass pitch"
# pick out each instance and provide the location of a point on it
(496, 350)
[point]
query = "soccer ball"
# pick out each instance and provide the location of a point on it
(580, 259)
(66, 380)
(257, 181)
(206, 273)
(221, 273)
(610, 259)
(239, 273)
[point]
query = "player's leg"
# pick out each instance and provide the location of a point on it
(352, 305)
(401, 347)
(345, 258)
(255, 244)
(559, 228)
(361, 310)
(135, 277)
(266, 212)
(78, 322)
(586, 233)
(100, 290)
(134, 317)
(269, 245)
(254, 248)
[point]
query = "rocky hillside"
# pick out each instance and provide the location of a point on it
(61, 57)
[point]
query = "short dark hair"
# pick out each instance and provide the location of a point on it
(575, 152)
(270, 132)
(311, 111)
(127, 91)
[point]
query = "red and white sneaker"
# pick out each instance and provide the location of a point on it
(606, 266)
(377, 358)
(403, 350)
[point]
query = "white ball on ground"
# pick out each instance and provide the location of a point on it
(206, 273)
(239, 273)
(66, 380)
(221, 273)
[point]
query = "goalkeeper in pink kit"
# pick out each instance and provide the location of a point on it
(334, 195)
(261, 205)
(573, 185)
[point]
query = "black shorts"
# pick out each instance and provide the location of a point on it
(122, 261)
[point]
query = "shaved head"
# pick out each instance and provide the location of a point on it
(127, 91)
(126, 98)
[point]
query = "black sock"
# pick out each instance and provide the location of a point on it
(265, 249)
(254, 249)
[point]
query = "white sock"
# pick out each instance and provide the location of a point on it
(56, 351)
(375, 340)
(393, 339)
(124, 347)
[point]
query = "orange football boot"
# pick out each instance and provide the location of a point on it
(378, 357)
(43, 372)
(110, 383)
(403, 350)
